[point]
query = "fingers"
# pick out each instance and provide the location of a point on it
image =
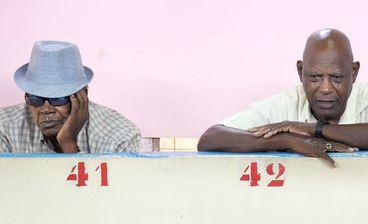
(267, 131)
(335, 147)
(79, 105)
(323, 155)
(339, 147)
(262, 132)
(298, 132)
(75, 105)
(272, 133)
(77, 118)
(255, 129)
(82, 97)
(315, 152)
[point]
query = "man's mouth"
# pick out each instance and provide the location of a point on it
(326, 104)
(49, 124)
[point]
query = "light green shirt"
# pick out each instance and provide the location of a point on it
(292, 105)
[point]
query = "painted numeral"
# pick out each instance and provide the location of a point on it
(78, 173)
(81, 177)
(254, 176)
(104, 170)
(276, 182)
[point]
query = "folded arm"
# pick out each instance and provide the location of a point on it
(223, 138)
(354, 135)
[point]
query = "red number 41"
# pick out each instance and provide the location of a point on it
(82, 176)
(253, 176)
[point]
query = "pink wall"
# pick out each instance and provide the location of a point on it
(177, 67)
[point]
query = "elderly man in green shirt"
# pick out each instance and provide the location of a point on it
(328, 112)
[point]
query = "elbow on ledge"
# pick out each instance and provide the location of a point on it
(206, 141)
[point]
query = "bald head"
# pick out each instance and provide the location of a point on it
(327, 73)
(328, 40)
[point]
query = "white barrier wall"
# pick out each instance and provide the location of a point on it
(182, 188)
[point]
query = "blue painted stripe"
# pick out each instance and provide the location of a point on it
(170, 154)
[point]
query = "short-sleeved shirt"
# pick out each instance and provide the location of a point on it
(292, 105)
(105, 131)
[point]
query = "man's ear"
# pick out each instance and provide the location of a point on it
(356, 66)
(299, 67)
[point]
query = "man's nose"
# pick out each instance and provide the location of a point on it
(47, 108)
(326, 85)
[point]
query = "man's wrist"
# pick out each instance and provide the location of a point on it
(319, 128)
(69, 147)
(312, 129)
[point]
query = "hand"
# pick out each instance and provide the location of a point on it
(300, 128)
(67, 136)
(317, 147)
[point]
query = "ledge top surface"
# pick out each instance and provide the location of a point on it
(172, 154)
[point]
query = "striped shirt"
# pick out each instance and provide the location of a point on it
(106, 131)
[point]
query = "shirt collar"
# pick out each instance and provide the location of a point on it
(306, 113)
(355, 105)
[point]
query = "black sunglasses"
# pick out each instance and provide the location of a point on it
(38, 101)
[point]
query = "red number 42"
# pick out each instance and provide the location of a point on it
(253, 176)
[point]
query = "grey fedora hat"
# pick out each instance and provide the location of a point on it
(54, 70)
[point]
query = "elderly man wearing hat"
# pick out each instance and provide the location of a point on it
(57, 116)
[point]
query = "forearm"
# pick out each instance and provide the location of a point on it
(355, 135)
(62, 146)
(69, 147)
(222, 138)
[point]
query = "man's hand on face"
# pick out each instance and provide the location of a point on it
(300, 128)
(67, 136)
(317, 147)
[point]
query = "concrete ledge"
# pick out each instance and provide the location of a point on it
(168, 144)
(186, 187)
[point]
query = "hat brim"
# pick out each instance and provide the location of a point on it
(51, 90)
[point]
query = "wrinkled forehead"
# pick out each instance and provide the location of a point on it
(327, 60)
